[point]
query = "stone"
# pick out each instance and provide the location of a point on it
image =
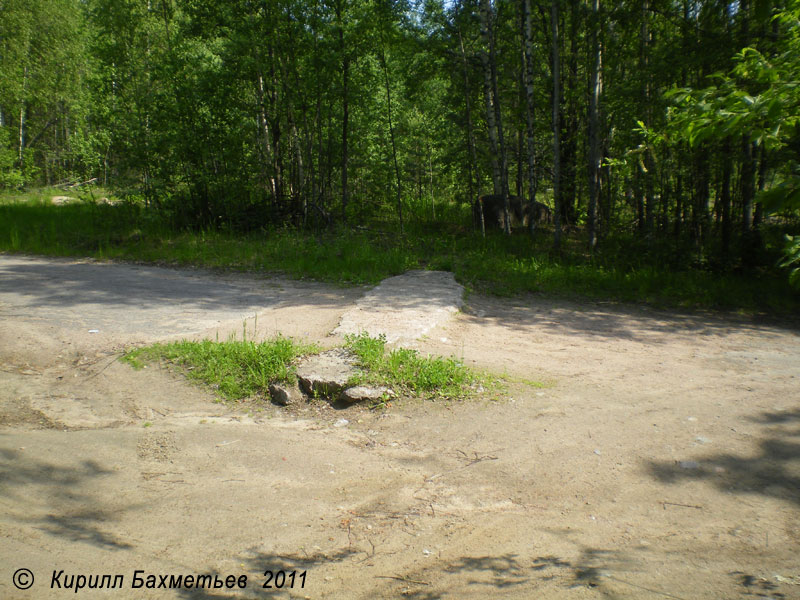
(326, 374)
(284, 394)
(362, 393)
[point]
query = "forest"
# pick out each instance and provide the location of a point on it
(653, 130)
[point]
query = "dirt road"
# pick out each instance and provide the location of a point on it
(661, 460)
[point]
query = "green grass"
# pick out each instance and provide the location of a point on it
(406, 370)
(241, 369)
(235, 369)
(625, 269)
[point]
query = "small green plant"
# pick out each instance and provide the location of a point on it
(235, 369)
(406, 369)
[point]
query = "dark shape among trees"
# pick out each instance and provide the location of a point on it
(521, 213)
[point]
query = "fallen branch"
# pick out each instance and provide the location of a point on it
(665, 503)
(108, 364)
(654, 591)
(405, 579)
(80, 183)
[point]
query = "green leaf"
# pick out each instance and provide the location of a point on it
(784, 196)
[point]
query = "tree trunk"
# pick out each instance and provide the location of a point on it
(391, 136)
(430, 182)
(638, 196)
(725, 200)
(527, 38)
(493, 116)
(472, 160)
(499, 121)
(594, 137)
(646, 180)
(22, 136)
(263, 122)
(520, 165)
(570, 121)
(748, 187)
(556, 125)
(758, 216)
(700, 212)
(345, 125)
(275, 131)
(345, 109)
(22, 111)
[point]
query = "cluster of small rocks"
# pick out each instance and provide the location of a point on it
(326, 375)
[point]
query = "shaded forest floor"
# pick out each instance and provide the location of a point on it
(659, 272)
(661, 460)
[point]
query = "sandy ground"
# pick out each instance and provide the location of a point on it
(661, 459)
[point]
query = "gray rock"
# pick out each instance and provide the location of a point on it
(327, 373)
(284, 394)
(362, 393)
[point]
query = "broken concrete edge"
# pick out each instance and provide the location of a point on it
(284, 394)
(365, 393)
(332, 374)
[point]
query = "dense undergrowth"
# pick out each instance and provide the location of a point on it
(625, 268)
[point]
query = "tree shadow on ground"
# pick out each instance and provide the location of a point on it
(774, 471)
(63, 493)
(756, 587)
(499, 572)
(593, 568)
(255, 565)
(495, 575)
(509, 573)
(56, 284)
(612, 321)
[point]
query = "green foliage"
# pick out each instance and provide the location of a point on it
(369, 350)
(236, 369)
(405, 369)
(792, 259)
(11, 178)
(758, 101)
(784, 195)
(44, 95)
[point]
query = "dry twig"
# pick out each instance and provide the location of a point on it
(405, 579)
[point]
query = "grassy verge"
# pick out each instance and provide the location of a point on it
(235, 369)
(406, 370)
(624, 270)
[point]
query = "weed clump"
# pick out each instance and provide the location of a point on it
(406, 369)
(236, 369)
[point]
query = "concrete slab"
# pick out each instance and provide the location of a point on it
(405, 308)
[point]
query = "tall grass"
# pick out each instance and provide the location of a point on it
(625, 269)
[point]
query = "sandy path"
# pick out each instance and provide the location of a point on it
(661, 461)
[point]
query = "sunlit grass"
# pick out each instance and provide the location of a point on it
(407, 370)
(236, 369)
(623, 270)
